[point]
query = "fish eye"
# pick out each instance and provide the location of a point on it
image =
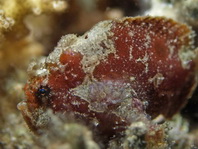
(43, 91)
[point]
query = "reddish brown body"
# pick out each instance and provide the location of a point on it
(110, 75)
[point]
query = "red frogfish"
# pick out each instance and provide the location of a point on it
(113, 72)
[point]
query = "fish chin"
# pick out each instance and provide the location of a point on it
(36, 119)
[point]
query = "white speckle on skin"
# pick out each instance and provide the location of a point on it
(130, 52)
(131, 34)
(132, 78)
(144, 61)
(147, 43)
(186, 54)
(157, 79)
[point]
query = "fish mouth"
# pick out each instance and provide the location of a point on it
(36, 119)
